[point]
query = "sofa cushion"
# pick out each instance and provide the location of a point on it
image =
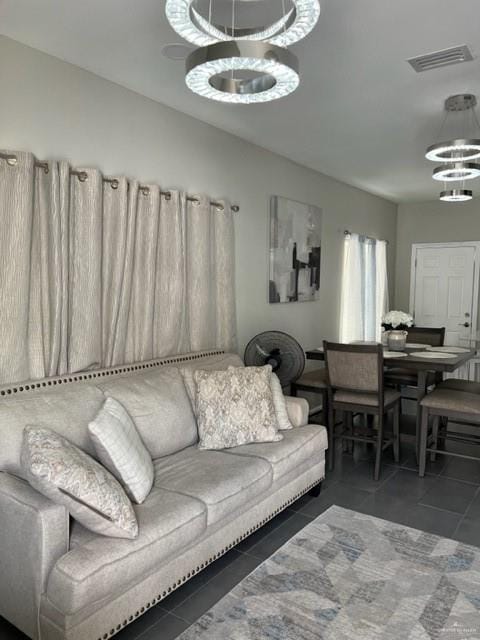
(297, 446)
(159, 406)
(67, 411)
(98, 567)
(121, 450)
(69, 476)
(222, 481)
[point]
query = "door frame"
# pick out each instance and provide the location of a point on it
(476, 274)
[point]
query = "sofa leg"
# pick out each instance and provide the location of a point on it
(315, 491)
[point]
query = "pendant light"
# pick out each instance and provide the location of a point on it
(458, 154)
(292, 27)
(242, 65)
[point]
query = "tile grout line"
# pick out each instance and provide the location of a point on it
(477, 492)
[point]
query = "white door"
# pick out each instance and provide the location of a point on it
(444, 292)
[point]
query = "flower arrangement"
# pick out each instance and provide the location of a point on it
(397, 320)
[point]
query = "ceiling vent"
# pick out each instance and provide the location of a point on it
(444, 58)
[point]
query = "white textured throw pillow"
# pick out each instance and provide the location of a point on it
(121, 450)
(67, 475)
(235, 407)
(280, 404)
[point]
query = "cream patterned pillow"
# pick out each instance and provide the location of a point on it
(121, 450)
(67, 475)
(235, 407)
(279, 401)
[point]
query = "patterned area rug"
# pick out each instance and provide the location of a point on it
(351, 576)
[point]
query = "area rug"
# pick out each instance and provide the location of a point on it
(351, 576)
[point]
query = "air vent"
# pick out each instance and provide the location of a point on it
(444, 58)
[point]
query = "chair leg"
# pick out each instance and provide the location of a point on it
(349, 424)
(435, 425)
(331, 437)
(378, 454)
(396, 433)
(422, 455)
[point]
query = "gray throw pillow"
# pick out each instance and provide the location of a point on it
(235, 407)
(68, 476)
(121, 450)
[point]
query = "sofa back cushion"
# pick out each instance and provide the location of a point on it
(65, 410)
(159, 406)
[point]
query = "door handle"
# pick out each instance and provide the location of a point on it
(464, 324)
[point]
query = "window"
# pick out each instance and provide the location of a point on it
(364, 291)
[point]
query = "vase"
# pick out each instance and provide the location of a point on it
(397, 340)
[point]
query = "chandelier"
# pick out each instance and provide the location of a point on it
(457, 156)
(237, 64)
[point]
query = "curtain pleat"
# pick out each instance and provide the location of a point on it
(95, 273)
(85, 273)
(200, 266)
(16, 209)
(382, 287)
(170, 327)
(224, 248)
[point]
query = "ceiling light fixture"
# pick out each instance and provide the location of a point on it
(456, 195)
(456, 155)
(292, 27)
(237, 64)
(460, 149)
(273, 72)
(456, 171)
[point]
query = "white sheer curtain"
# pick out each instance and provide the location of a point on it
(364, 288)
(92, 275)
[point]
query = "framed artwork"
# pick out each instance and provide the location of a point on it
(295, 251)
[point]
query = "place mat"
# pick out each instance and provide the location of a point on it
(416, 345)
(434, 355)
(449, 349)
(350, 575)
(394, 354)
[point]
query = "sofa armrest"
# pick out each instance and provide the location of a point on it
(33, 535)
(297, 409)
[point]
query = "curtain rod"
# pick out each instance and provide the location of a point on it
(114, 183)
(346, 232)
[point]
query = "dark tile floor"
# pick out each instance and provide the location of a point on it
(446, 502)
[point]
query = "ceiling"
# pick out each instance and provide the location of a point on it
(361, 114)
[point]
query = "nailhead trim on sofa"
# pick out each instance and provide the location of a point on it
(100, 373)
(199, 568)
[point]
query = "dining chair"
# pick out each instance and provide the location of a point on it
(355, 385)
(458, 384)
(313, 382)
(449, 404)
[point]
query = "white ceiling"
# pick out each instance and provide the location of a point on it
(361, 114)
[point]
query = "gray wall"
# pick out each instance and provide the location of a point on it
(58, 110)
(433, 221)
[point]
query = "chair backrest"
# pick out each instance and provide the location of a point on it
(354, 367)
(432, 336)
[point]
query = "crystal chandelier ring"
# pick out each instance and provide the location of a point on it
(457, 171)
(456, 195)
(460, 150)
(210, 72)
(291, 28)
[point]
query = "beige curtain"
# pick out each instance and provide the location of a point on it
(92, 275)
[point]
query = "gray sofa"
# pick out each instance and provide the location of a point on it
(61, 581)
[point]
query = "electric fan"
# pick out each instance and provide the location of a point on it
(279, 350)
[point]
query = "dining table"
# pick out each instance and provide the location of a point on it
(411, 359)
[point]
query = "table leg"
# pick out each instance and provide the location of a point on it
(421, 393)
